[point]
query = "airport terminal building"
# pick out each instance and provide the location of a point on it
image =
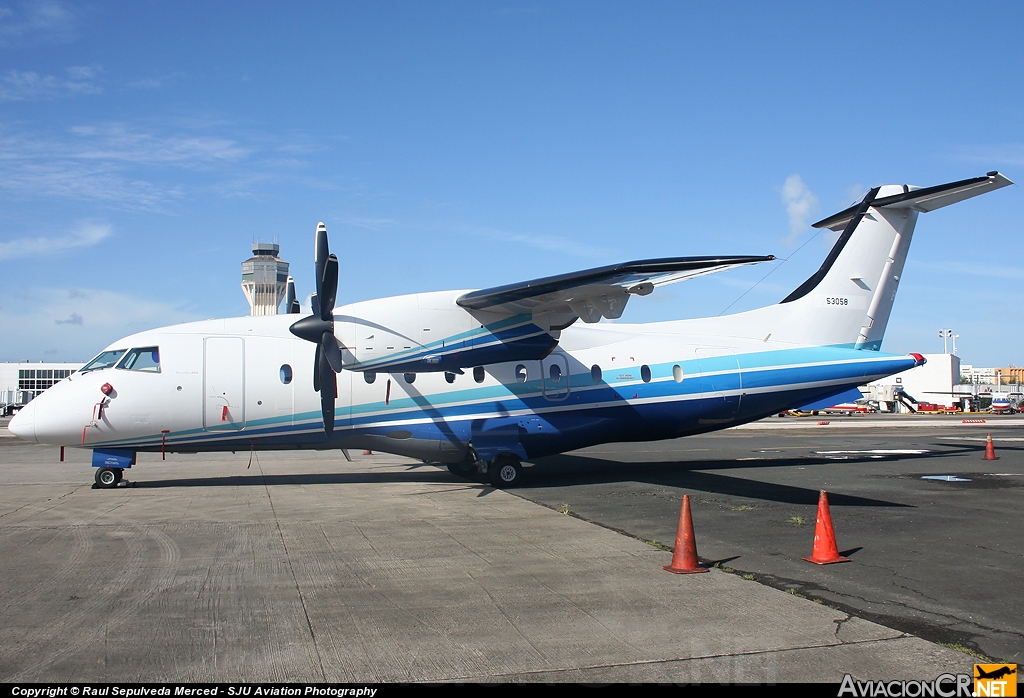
(22, 381)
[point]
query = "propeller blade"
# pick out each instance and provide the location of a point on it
(328, 392)
(314, 303)
(321, 252)
(332, 351)
(291, 304)
(329, 289)
(316, 369)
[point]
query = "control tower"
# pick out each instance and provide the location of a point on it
(264, 279)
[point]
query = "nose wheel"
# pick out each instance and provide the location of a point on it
(107, 478)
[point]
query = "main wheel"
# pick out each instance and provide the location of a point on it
(505, 471)
(462, 469)
(107, 478)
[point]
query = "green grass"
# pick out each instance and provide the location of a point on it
(564, 509)
(743, 507)
(797, 520)
(967, 650)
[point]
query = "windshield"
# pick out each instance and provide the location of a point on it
(142, 359)
(104, 360)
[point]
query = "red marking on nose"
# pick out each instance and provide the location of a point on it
(224, 414)
(106, 388)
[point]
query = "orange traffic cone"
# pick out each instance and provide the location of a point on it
(825, 551)
(990, 450)
(684, 554)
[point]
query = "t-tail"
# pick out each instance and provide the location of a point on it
(848, 300)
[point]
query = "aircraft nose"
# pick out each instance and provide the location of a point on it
(23, 424)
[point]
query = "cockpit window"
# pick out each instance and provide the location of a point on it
(143, 359)
(104, 360)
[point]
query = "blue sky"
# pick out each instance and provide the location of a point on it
(144, 146)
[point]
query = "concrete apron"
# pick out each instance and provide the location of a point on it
(308, 568)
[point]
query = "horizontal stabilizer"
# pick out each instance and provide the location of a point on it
(923, 200)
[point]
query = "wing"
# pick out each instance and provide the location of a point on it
(594, 293)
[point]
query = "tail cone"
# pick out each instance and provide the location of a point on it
(825, 551)
(684, 554)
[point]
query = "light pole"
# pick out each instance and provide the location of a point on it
(955, 337)
(945, 333)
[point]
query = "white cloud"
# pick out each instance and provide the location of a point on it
(99, 163)
(1011, 154)
(548, 243)
(73, 319)
(86, 234)
(800, 204)
(76, 323)
(17, 86)
(118, 142)
(41, 21)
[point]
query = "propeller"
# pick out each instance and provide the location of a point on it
(319, 329)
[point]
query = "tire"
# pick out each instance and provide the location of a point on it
(462, 469)
(106, 478)
(505, 471)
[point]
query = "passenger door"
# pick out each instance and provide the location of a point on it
(224, 383)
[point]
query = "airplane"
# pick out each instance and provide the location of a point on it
(999, 673)
(1001, 403)
(482, 380)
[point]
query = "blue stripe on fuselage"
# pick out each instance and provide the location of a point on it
(768, 381)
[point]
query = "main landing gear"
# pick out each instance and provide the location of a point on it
(107, 478)
(503, 472)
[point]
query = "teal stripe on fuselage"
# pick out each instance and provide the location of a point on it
(759, 371)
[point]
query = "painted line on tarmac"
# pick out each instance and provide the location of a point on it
(876, 423)
(982, 438)
(879, 452)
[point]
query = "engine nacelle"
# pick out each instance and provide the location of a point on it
(429, 332)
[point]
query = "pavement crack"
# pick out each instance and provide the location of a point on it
(839, 625)
(291, 571)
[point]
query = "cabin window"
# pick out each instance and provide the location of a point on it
(286, 374)
(555, 373)
(142, 359)
(369, 376)
(478, 374)
(521, 373)
(410, 377)
(449, 376)
(596, 373)
(106, 359)
(677, 373)
(645, 373)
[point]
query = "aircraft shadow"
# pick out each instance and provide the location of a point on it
(568, 470)
(257, 480)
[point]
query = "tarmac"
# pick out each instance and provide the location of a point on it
(302, 567)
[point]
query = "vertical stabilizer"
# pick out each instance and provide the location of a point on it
(849, 299)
